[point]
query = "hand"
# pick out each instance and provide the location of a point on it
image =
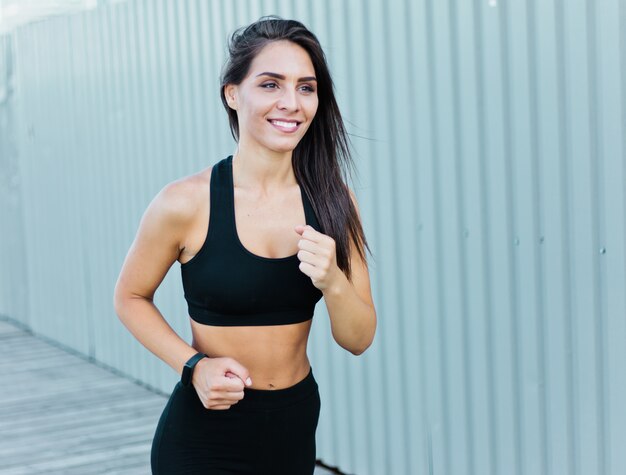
(318, 258)
(219, 382)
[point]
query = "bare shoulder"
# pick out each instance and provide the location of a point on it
(354, 201)
(163, 229)
(180, 201)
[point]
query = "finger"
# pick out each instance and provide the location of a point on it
(306, 256)
(311, 234)
(227, 385)
(223, 401)
(308, 245)
(308, 232)
(220, 399)
(217, 397)
(239, 370)
(221, 407)
(235, 395)
(229, 396)
(306, 268)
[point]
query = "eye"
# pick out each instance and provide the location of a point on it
(307, 88)
(269, 85)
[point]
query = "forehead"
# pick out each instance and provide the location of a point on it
(282, 57)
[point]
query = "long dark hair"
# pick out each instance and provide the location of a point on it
(322, 158)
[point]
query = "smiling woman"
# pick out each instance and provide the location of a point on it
(261, 236)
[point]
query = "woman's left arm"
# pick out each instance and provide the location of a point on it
(349, 303)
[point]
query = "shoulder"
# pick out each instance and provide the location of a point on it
(354, 200)
(180, 201)
(352, 195)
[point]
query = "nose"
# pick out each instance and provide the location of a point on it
(288, 100)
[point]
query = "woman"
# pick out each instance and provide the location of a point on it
(261, 236)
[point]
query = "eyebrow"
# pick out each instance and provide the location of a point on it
(280, 76)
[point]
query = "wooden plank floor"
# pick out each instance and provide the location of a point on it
(61, 414)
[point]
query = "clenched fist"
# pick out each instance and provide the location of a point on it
(219, 382)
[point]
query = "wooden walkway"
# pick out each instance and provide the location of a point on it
(61, 414)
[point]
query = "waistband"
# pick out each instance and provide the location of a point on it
(275, 398)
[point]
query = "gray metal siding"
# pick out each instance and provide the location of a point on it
(13, 292)
(490, 146)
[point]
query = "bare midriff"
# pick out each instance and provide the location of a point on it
(275, 356)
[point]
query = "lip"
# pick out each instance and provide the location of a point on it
(287, 130)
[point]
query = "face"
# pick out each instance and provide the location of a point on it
(277, 101)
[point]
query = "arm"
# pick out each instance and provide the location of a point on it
(155, 248)
(350, 305)
(158, 243)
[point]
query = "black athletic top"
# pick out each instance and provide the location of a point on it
(227, 285)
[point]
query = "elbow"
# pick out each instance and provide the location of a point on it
(368, 340)
(358, 344)
(356, 348)
(359, 350)
(121, 302)
(125, 302)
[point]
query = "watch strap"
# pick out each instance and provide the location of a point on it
(185, 377)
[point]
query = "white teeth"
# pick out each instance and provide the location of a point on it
(288, 125)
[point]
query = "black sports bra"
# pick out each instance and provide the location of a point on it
(227, 285)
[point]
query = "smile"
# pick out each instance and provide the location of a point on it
(284, 125)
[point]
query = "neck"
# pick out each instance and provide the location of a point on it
(262, 169)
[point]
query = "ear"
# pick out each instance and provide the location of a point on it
(230, 92)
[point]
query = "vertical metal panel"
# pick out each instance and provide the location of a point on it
(13, 291)
(490, 146)
(524, 229)
(612, 63)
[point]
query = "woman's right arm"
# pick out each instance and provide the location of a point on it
(155, 248)
(219, 382)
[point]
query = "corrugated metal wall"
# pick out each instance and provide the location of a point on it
(491, 148)
(13, 288)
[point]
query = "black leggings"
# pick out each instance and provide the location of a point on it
(268, 432)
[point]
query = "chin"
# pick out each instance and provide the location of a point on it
(283, 150)
(283, 147)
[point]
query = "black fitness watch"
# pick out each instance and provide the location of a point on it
(185, 377)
